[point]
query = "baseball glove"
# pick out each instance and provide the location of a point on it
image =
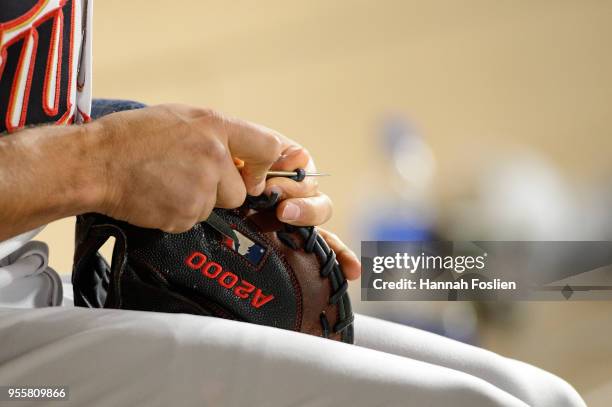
(241, 264)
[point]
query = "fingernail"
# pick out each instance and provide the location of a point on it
(288, 152)
(291, 212)
(292, 150)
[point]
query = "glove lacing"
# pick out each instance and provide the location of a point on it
(314, 243)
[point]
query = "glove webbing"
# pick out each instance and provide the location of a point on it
(314, 243)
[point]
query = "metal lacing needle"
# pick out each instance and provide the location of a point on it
(296, 174)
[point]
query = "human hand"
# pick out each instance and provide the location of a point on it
(168, 166)
(302, 204)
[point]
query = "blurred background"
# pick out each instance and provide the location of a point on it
(438, 120)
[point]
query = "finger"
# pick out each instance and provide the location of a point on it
(231, 189)
(179, 226)
(287, 188)
(294, 157)
(351, 266)
(258, 146)
(305, 211)
(209, 202)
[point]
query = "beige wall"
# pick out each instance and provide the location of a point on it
(476, 76)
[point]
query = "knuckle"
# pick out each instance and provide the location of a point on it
(182, 225)
(190, 111)
(274, 145)
(192, 209)
(202, 216)
(330, 206)
(305, 151)
(170, 228)
(234, 199)
(207, 205)
(216, 150)
(238, 196)
(201, 117)
(209, 118)
(167, 106)
(182, 218)
(174, 109)
(205, 113)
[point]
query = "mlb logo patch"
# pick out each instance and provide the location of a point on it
(245, 247)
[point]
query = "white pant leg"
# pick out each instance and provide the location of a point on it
(130, 358)
(528, 383)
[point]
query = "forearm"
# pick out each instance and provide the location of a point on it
(48, 173)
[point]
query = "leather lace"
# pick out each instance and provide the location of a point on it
(313, 242)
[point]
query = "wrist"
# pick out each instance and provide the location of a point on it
(52, 172)
(92, 172)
